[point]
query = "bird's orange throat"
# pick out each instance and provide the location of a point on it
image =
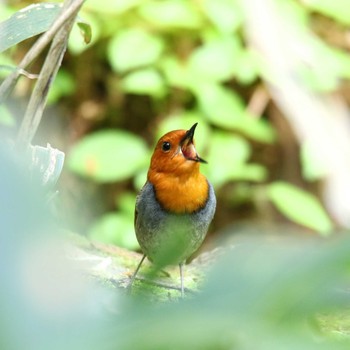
(180, 194)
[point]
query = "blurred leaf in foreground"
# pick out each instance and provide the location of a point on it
(263, 294)
(45, 301)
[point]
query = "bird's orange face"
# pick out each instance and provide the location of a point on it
(176, 152)
(174, 173)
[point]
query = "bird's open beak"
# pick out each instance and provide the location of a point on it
(187, 146)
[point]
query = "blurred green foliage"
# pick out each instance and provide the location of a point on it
(275, 293)
(117, 227)
(191, 61)
(108, 155)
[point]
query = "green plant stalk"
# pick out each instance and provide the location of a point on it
(67, 12)
(47, 74)
(38, 98)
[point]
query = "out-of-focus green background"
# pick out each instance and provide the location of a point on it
(268, 83)
(154, 66)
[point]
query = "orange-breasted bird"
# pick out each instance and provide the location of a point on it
(176, 205)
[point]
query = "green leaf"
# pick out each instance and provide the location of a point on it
(144, 82)
(247, 70)
(85, 34)
(36, 19)
(339, 9)
(225, 14)
(115, 228)
(225, 109)
(85, 30)
(222, 107)
(132, 48)
(108, 155)
(171, 14)
(299, 206)
(215, 60)
(176, 72)
(26, 23)
(227, 157)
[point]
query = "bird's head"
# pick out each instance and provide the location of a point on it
(175, 152)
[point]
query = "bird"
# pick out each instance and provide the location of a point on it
(176, 205)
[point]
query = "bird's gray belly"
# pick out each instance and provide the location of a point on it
(170, 238)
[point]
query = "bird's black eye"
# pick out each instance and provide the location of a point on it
(166, 146)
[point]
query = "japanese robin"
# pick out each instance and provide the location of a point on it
(176, 205)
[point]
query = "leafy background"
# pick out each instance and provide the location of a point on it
(154, 66)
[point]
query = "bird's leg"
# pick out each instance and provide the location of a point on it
(132, 279)
(182, 279)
